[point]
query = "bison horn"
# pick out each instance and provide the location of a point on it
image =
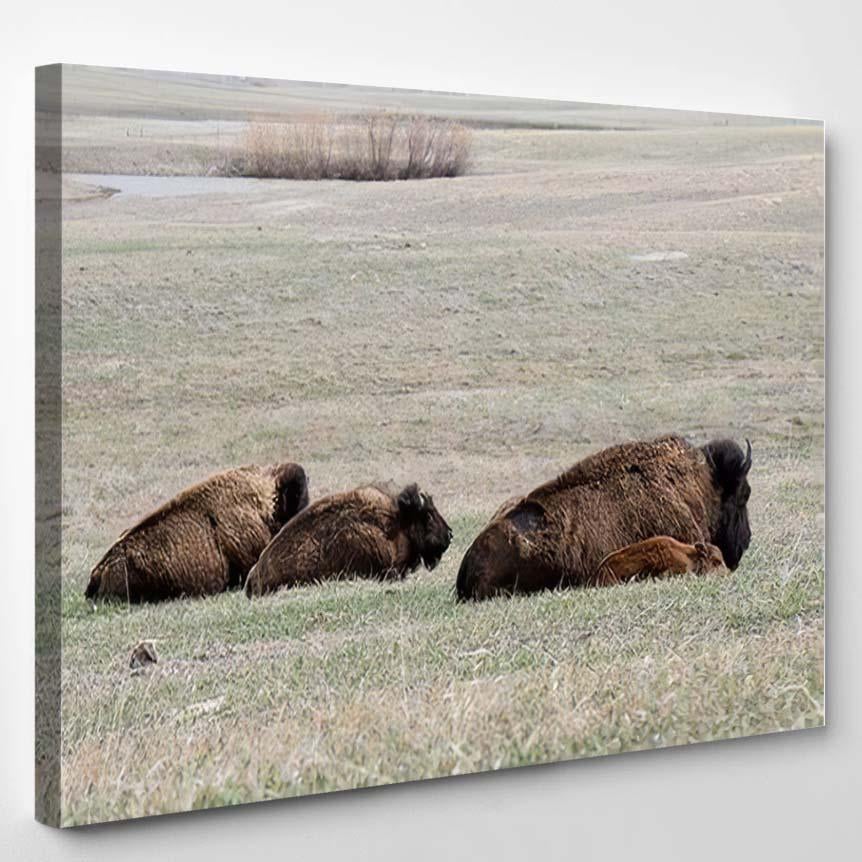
(746, 464)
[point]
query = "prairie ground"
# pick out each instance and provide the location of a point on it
(579, 287)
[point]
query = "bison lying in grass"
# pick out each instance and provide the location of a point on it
(204, 540)
(660, 555)
(369, 532)
(558, 535)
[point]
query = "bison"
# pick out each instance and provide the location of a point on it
(205, 539)
(657, 556)
(369, 532)
(559, 533)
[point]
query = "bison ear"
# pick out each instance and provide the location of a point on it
(410, 501)
(291, 491)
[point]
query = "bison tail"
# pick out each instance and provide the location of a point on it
(106, 574)
(252, 583)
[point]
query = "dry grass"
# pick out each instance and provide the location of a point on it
(410, 710)
(375, 146)
(478, 337)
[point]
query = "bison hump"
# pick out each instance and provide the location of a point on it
(636, 461)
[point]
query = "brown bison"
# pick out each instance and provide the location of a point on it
(657, 556)
(205, 539)
(370, 532)
(559, 533)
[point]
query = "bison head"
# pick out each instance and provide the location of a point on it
(730, 466)
(708, 558)
(291, 491)
(428, 533)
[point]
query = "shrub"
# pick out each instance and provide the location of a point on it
(377, 146)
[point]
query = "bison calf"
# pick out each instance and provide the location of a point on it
(558, 534)
(205, 539)
(657, 556)
(369, 532)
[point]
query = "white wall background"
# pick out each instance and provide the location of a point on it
(793, 796)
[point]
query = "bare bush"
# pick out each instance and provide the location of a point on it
(376, 146)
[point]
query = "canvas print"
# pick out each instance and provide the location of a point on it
(387, 434)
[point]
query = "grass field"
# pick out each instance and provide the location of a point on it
(577, 288)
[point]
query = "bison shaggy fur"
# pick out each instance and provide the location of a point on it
(559, 533)
(369, 532)
(205, 539)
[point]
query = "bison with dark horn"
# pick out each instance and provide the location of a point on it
(205, 539)
(369, 532)
(559, 533)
